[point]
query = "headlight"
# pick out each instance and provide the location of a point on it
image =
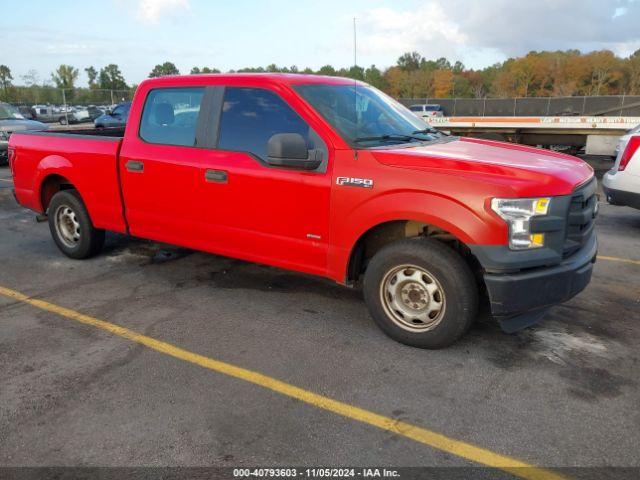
(518, 212)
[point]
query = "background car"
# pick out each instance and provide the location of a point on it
(622, 143)
(11, 120)
(117, 117)
(427, 110)
(25, 111)
(621, 184)
(85, 114)
(46, 113)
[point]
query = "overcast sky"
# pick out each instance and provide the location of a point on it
(230, 34)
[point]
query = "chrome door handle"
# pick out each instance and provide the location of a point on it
(134, 166)
(216, 176)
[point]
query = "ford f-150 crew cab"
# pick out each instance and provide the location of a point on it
(330, 177)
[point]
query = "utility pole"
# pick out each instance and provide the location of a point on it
(64, 105)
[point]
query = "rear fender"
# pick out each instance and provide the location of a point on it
(54, 165)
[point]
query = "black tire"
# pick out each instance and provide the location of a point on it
(90, 240)
(62, 120)
(438, 267)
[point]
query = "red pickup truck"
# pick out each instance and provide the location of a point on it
(330, 177)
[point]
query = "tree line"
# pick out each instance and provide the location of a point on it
(545, 73)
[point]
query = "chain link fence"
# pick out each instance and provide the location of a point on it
(611, 105)
(43, 95)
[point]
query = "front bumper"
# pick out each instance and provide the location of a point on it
(512, 294)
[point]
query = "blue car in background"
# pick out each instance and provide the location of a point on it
(117, 117)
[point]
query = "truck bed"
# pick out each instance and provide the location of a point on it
(87, 159)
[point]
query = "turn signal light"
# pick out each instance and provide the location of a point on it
(632, 147)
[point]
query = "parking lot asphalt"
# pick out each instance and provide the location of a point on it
(562, 394)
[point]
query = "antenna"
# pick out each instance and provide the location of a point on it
(355, 80)
(355, 44)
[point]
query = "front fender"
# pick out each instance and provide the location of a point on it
(442, 212)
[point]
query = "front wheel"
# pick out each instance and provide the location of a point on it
(421, 293)
(71, 226)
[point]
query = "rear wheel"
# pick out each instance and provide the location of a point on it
(71, 226)
(421, 293)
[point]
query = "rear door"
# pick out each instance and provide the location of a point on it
(255, 211)
(160, 165)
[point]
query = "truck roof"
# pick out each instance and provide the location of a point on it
(253, 78)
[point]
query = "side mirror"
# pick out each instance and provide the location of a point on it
(290, 150)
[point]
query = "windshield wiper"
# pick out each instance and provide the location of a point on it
(389, 137)
(430, 130)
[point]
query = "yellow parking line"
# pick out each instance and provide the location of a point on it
(616, 259)
(404, 429)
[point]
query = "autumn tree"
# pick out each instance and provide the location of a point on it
(634, 73)
(442, 83)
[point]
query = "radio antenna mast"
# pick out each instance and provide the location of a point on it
(355, 50)
(355, 80)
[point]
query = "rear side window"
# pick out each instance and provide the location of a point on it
(251, 116)
(170, 116)
(415, 108)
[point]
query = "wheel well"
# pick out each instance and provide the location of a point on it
(52, 185)
(381, 235)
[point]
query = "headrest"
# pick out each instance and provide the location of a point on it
(163, 113)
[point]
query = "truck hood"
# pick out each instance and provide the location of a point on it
(523, 169)
(15, 125)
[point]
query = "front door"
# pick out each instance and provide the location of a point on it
(274, 215)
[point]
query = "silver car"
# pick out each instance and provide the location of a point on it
(11, 120)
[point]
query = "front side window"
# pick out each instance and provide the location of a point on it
(251, 116)
(415, 108)
(170, 116)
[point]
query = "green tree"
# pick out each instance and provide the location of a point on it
(5, 77)
(65, 77)
(167, 68)
(197, 70)
(327, 70)
(373, 76)
(410, 61)
(110, 78)
(92, 73)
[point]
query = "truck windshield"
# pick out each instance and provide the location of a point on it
(9, 112)
(364, 116)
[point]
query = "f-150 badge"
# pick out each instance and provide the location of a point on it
(355, 182)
